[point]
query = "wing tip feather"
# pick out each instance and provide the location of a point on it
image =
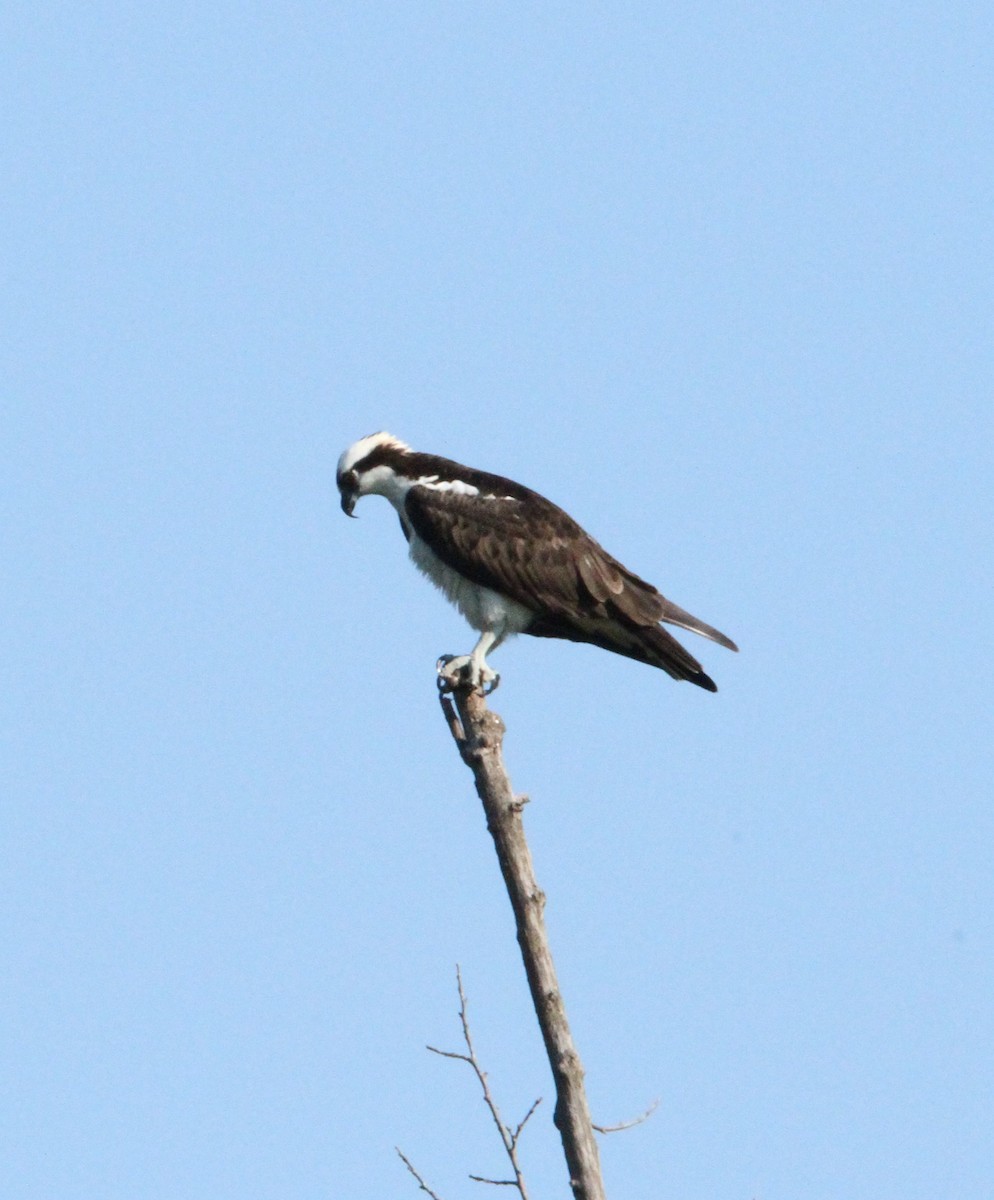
(703, 681)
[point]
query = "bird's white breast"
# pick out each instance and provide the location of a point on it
(482, 607)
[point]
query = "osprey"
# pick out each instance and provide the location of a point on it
(513, 562)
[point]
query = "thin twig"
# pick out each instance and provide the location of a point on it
(629, 1124)
(450, 1054)
(508, 1137)
(421, 1183)
(524, 1121)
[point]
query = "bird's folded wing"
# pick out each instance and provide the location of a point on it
(532, 552)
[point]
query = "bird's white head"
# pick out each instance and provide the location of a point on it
(372, 466)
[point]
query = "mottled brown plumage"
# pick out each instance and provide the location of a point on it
(515, 542)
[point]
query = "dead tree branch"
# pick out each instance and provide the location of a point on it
(478, 733)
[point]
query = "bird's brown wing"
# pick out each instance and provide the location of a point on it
(531, 552)
(528, 549)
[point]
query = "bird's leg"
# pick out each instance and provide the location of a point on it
(454, 670)
(481, 676)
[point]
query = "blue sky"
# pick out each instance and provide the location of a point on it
(715, 278)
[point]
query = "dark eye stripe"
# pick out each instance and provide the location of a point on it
(376, 458)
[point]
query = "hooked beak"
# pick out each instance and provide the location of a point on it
(348, 485)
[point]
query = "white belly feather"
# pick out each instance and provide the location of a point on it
(483, 608)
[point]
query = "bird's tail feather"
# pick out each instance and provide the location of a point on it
(673, 614)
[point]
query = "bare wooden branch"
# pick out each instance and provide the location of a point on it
(629, 1124)
(478, 733)
(421, 1183)
(508, 1137)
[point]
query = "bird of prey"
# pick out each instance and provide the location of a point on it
(513, 562)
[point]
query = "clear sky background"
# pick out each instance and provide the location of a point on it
(718, 279)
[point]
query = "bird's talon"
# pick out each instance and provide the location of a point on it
(457, 670)
(450, 677)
